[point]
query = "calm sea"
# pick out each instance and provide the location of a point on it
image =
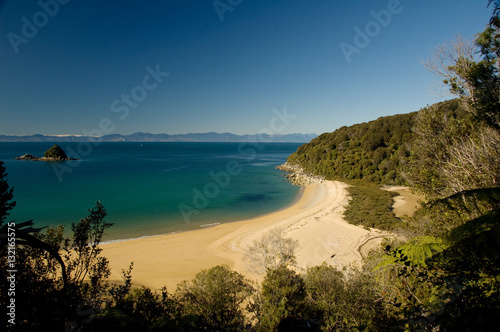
(150, 188)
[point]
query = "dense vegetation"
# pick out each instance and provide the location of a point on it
(370, 151)
(443, 276)
(371, 207)
(56, 153)
(452, 151)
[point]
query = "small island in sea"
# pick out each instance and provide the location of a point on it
(55, 153)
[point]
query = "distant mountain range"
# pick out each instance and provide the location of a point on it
(145, 137)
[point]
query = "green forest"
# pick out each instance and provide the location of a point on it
(440, 273)
(369, 151)
(372, 151)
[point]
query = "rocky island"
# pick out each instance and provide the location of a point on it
(55, 153)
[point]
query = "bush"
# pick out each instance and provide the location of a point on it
(343, 303)
(212, 301)
(63, 280)
(371, 206)
(282, 298)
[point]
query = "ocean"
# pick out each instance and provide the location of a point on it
(149, 188)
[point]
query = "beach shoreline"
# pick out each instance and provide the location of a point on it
(314, 220)
(206, 226)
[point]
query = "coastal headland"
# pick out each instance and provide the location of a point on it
(314, 220)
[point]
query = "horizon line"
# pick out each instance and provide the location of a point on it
(140, 132)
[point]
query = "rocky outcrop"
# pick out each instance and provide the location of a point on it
(35, 158)
(27, 156)
(298, 176)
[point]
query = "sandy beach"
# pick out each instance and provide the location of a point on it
(406, 203)
(314, 220)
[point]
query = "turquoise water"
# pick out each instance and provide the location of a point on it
(150, 188)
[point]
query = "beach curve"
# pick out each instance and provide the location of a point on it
(314, 220)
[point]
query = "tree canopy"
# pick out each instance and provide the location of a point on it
(56, 152)
(371, 151)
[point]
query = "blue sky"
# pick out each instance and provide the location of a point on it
(224, 75)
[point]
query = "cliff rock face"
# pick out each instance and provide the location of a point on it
(298, 176)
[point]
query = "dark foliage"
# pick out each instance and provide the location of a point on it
(371, 206)
(283, 296)
(51, 290)
(6, 195)
(213, 299)
(56, 152)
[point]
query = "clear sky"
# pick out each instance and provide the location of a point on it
(230, 63)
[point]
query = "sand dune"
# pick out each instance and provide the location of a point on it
(314, 220)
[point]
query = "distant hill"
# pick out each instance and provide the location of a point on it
(371, 151)
(145, 137)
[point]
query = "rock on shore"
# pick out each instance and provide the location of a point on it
(298, 176)
(27, 156)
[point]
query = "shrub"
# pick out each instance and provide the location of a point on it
(371, 206)
(343, 303)
(272, 251)
(213, 299)
(282, 298)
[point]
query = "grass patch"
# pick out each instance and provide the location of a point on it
(371, 206)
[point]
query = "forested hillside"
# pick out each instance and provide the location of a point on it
(370, 151)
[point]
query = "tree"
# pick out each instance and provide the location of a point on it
(272, 251)
(452, 152)
(83, 255)
(451, 58)
(343, 302)
(24, 230)
(138, 310)
(6, 195)
(213, 299)
(476, 80)
(60, 282)
(325, 288)
(282, 298)
(449, 283)
(47, 297)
